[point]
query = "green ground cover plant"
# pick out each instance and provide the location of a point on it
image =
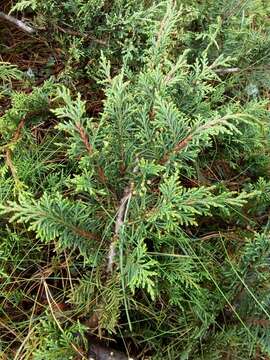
(135, 179)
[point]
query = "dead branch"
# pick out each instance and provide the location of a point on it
(227, 71)
(120, 219)
(20, 24)
(121, 215)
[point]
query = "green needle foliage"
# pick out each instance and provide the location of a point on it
(143, 224)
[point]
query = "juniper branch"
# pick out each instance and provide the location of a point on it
(185, 142)
(15, 138)
(84, 137)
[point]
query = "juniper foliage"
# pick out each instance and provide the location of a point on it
(168, 181)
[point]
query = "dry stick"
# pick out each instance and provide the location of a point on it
(227, 71)
(120, 219)
(121, 215)
(20, 24)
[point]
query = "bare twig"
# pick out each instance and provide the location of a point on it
(121, 215)
(120, 219)
(227, 71)
(20, 24)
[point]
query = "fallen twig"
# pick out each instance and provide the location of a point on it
(20, 24)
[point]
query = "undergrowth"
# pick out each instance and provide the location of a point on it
(134, 180)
